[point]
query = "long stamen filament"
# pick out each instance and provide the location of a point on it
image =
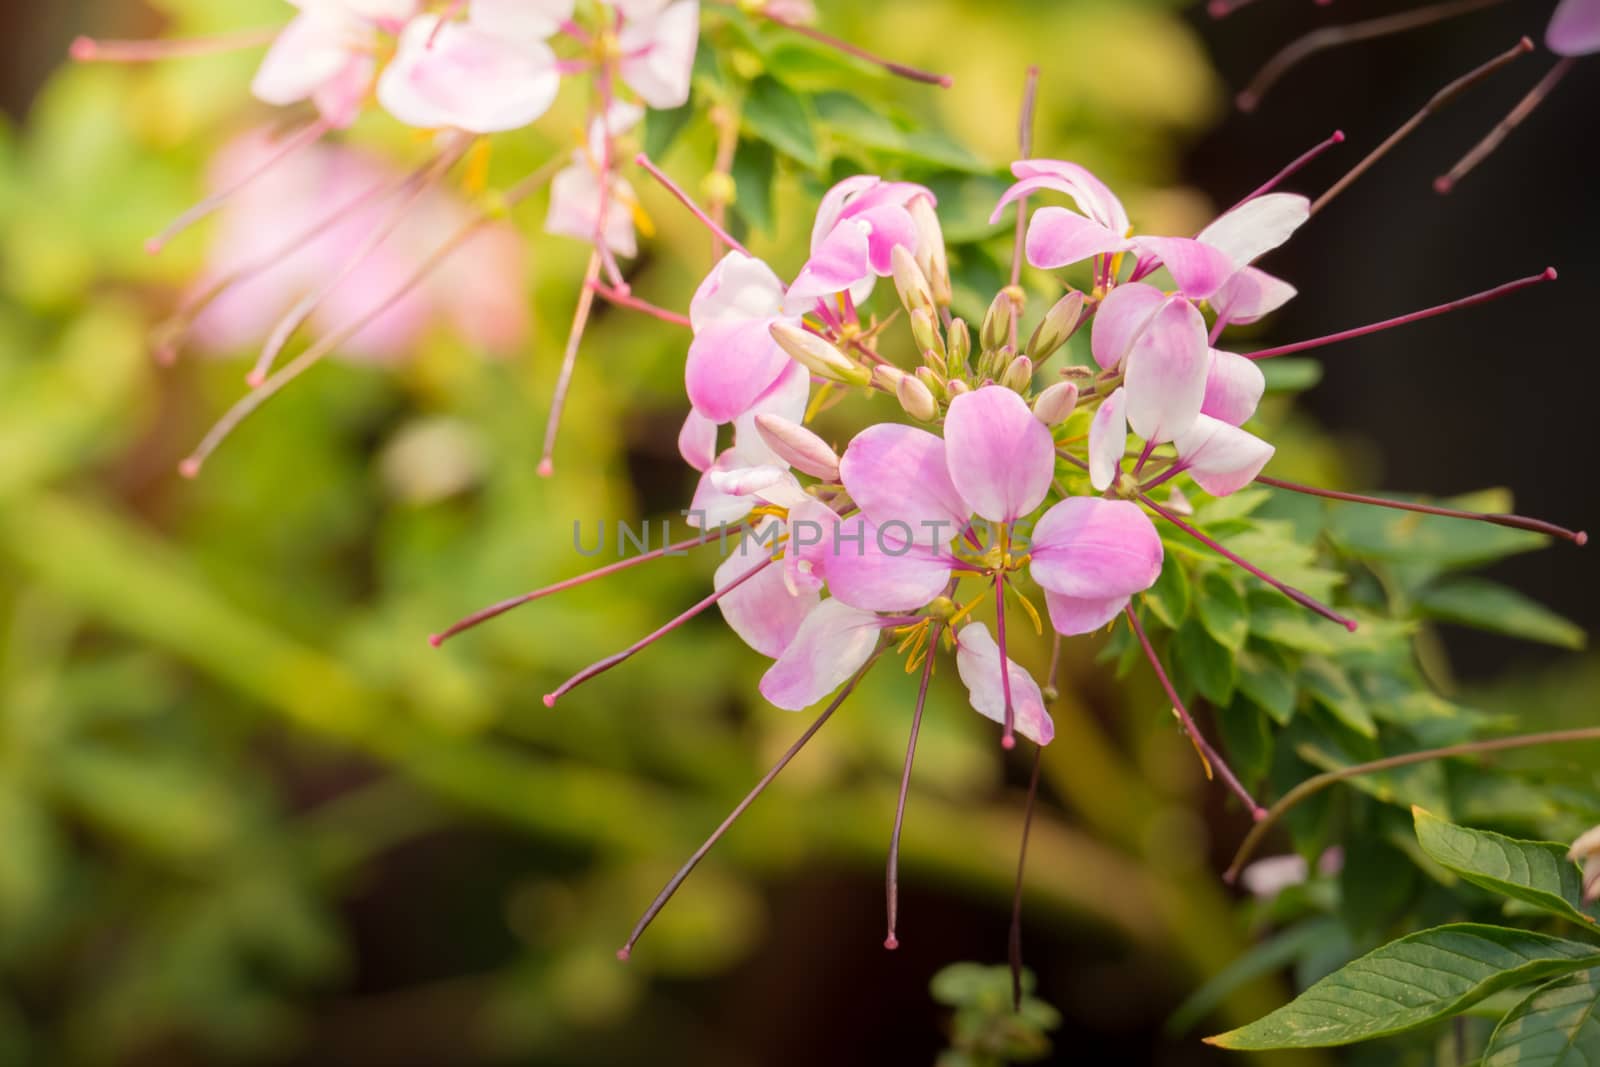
(892, 875)
(1525, 107)
(92, 50)
(1546, 275)
(569, 362)
(633, 303)
(1014, 940)
(944, 81)
(1516, 522)
(716, 835)
(1299, 163)
(687, 201)
(1030, 98)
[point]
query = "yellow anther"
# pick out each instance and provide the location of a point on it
(1198, 751)
(968, 608)
(476, 179)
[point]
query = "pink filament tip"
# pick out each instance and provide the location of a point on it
(1550, 274)
(1338, 137)
(190, 468)
(1443, 184)
(1258, 813)
(153, 246)
(436, 640)
(891, 942)
(1582, 538)
(255, 379)
(549, 700)
(166, 355)
(623, 954)
(1008, 741)
(83, 48)
(546, 468)
(1351, 625)
(1218, 8)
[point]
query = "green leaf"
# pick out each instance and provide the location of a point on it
(1430, 541)
(754, 169)
(1490, 606)
(1247, 735)
(1293, 375)
(1330, 687)
(1534, 872)
(1271, 955)
(1223, 611)
(1408, 983)
(1266, 677)
(661, 128)
(1168, 599)
(1203, 663)
(1558, 1025)
(779, 117)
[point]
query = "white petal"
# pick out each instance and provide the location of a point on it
(978, 663)
(831, 645)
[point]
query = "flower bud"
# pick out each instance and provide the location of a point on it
(996, 329)
(927, 377)
(917, 400)
(1586, 850)
(959, 348)
(1177, 503)
(886, 377)
(931, 255)
(909, 281)
(817, 355)
(955, 387)
(1019, 375)
(992, 363)
(1055, 403)
(798, 446)
(925, 329)
(1056, 328)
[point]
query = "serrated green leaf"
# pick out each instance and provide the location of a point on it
(1490, 606)
(1534, 872)
(1204, 664)
(1222, 610)
(1408, 983)
(1558, 1025)
(779, 117)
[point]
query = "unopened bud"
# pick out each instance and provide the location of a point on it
(959, 348)
(955, 387)
(925, 329)
(1056, 328)
(1054, 404)
(992, 363)
(1177, 503)
(817, 355)
(886, 377)
(798, 447)
(996, 329)
(927, 377)
(909, 281)
(1019, 375)
(917, 400)
(931, 255)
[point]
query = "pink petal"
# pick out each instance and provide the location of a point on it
(311, 51)
(575, 203)
(465, 78)
(1575, 28)
(1001, 458)
(888, 227)
(1257, 226)
(840, 262)
(1233, 387)
(1071, 615)
(1166, 370)
(978, 663)
(1095, 548)
(899, 472)
(1199, 269)
(1108, 440)
(1059, 238)
(1120, 318)
(730, 365)
(831, 645)
(738, 288)
(658, 54)
(834, 202)
(520, 20)
(1249, 295)
(1222, 458)
(762, 610)
(711, 507)
(697, 441)
(786, 398)
(811, 545)
(1091, 195)
(876, 568)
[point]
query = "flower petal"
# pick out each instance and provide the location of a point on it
(899, 472)
(1071, 615)
(1120, 318)
(1222, 458)
(876, 568)
(787, 398)
(711, 507)
(1199, 269)
(311, 51)
(575, 203)
(1234, 386)
(1574, 29)
(978, 663)
(730, 365)
(658, 54)
(697, 441)
(762, 610)
(1166, 372)
(1257, 226)
(1108, 440)
(457, 75)
(842, 261)
(811, 544)
(889, 226)
(739, 287)
(1091, 195)
(1250, 295)
(520, 20)
(1058, 237)
(1095, 548)
(831, 645)
(835, 201)
(1001, 458)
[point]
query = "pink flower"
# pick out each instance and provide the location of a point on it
(658, 44)
(1091, 556)
(1158, 342)
(579, 193)
(470, 75)
(859, 223)
(326, 54)
(1574, 29)
(978, 663)
(733, 361)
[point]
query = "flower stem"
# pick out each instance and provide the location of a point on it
(569, 362)
(1014, 939)
(633, 303)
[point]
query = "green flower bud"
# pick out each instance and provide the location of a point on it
(1018, 377)
(1056, 328)
(1055, 403)
(909, 281)
(817, 355)
(917, 400)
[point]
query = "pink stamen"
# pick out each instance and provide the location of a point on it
(1303, 599)
(943, 81)
(1546, 275)
(90, 50)
(892, 875)
(1257, 812)
(1435, 103)
(494, 611)
(1221, 9)
(1515, 522)
(306, 136)
(694, 209)
(1296, 51)
(1008, 735)
(1014, 940)
(1482, 150)
(1299, 163)
(716, 835)
(633, 303)
(600, 667)
(569, 362)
